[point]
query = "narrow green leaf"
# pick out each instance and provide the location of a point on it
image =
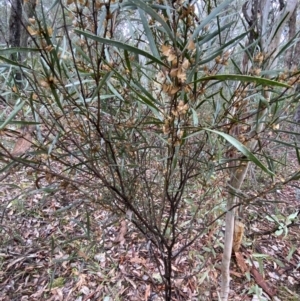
(263, 102)
(84, 55)
(297, 153)
(88, 225)
(121, 46)
(220, 50)
(137, 85)
(13, 114)
(210, 36)
(212, 15)
(11, 63)
(56, 97)
(289, 44)
(114, 91)
(283, 143)
(291, 252)
(149, 35)
(288, 132)
(245, 78)
(231, 43)
(127, 61)
(53, 143)
(21, 122)
(146, 101)
(142, 5)
(279, 25)
(236, 66)
(141, 98)
(105, 79)
(13, 50)
(243, 149)
(8, 166)
(295, 176)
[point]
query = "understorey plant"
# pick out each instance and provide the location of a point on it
(142, 108)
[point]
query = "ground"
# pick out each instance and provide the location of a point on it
(56, 247)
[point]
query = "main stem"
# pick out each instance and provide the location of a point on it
(168, 280)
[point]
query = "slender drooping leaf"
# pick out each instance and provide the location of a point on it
(22, 122)
(212, 15)
(121, 46)
(142, 5)
(16, 110)
(149, 35)
(13, 50)
(11, 63)
(210, 36)
(289, 44)
(243, 149)
(141, 98)
(244, 78)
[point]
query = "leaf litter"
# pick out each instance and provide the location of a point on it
(49, 252)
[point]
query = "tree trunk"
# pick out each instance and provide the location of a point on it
(288, 60)
(28, 12)
(236, 182)
(291, 59)
(15, 23)
(18, 34)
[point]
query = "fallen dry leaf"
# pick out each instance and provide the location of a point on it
(22, 145)
(123, 230)
(241, 262)
(261, 282)
(147, 292)
(238, 235)
(138, 260)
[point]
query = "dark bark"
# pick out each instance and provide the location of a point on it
(14, 39)
(296, 54)
(251, 11)
(18, 34)
(15, 25)
(281, 4)
(289, 59)
(28, 12)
